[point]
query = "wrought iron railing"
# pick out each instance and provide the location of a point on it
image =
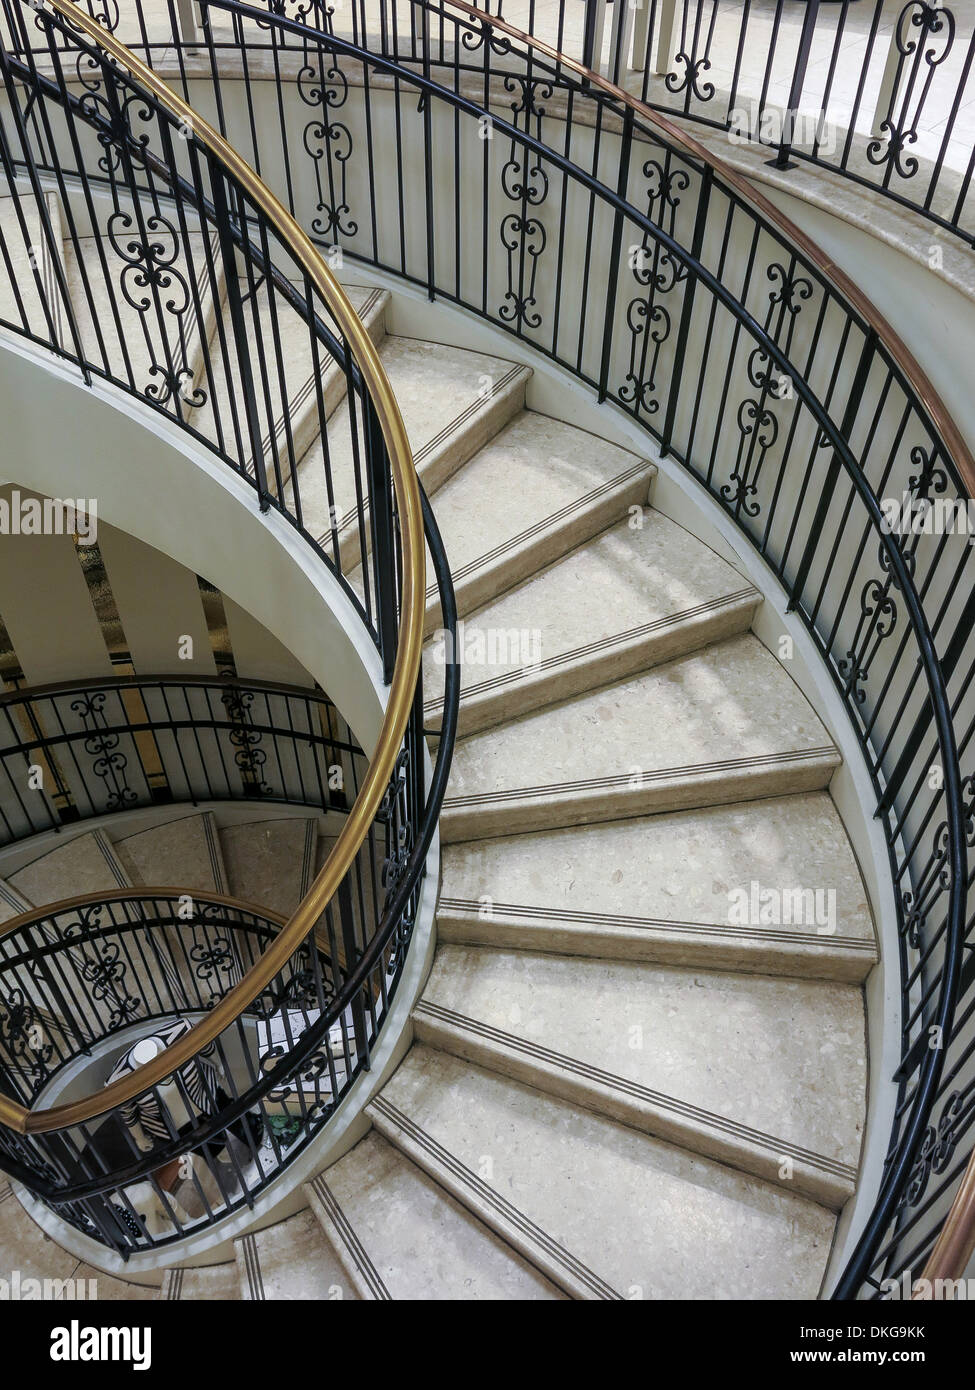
(582, 223)
(88, 988)
(881, 94)
(184, 273)
(71, 752)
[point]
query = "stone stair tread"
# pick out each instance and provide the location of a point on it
(720, 722)
(606, 1211)
(310, 379)
(183, 853)
(86, 864)
(676, 888)
(208, 1282)
(401, 1236)
(291, 1260)
(264, 862)
(629, 596)
(12, 903)
(776, 1065)
(447, 411)
(535, 490)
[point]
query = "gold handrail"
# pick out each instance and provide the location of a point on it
(923, 386)
(412, 608)
(955, 1245)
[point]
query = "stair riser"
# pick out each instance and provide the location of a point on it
(355, 1262)
(436, 463)
(546, 545)
(676, 792)
(518, 1234)
(657, 945)
(485, 709)
(708, 1135)
(305, 419)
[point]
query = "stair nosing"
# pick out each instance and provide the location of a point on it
(685, 771)
(697, 1119)
(581, 505)
(538, 1247)
(568, 915)
(743, 598)
(351, 1251)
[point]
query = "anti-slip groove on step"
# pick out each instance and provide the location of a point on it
(309, 853)
(467, 414)
(672, 620)
(826, 1180)
(107, 851)
(582, 667)
(579, 507)
(620, 936)
(172, 1285)
(470, 907)
(561, 805)
(510, 1224)
(214, 853)
(249, 1262)
(14, 900)
(455, 441)
(662, 774)
(349, 1248)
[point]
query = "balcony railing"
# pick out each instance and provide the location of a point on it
(879, 92)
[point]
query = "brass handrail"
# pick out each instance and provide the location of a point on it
(922, 384)
(955, 1245)
(412, 609)
(137, 891)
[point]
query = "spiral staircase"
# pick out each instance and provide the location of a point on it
(575, 1088)
(617, 1084)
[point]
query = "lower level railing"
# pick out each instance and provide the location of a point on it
(93, 989)
(71, 752)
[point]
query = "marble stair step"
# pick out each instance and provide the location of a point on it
(452, 403)
(183, 853)
(86, 864)
(266, 861)
(12, 903)
(528, 496)
(291, 1260)
(713, 887)
(632, 598)
(606, 1212)
(399, 1235)
(719, 725)
(220, 1281)
(311, 381)
(765, 1074)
